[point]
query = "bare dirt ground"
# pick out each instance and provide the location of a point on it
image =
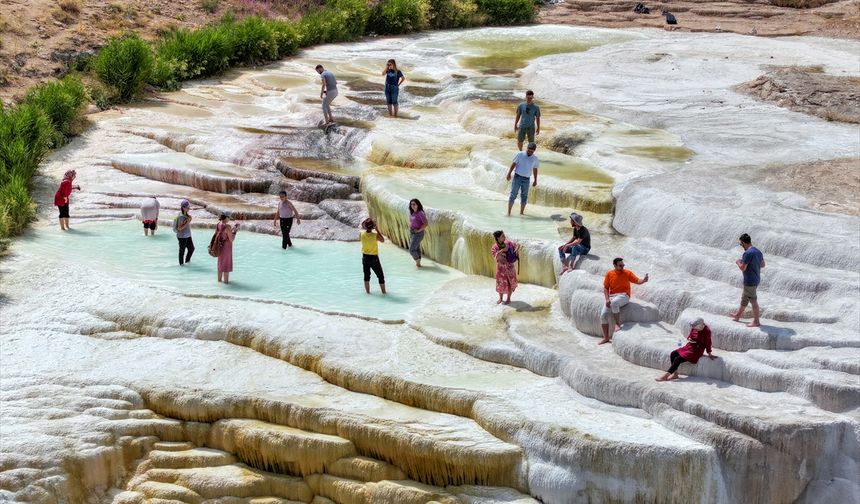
(839, 19)
(829, 186)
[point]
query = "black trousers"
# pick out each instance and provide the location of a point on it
(186, 248)
(371, 262)
(286, 225)
(677, 360)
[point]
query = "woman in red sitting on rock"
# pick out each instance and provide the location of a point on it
(698, 341)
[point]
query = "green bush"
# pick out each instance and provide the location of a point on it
(184, 54)
(209, 6)
(352, 15)
(392, 17)
(25, 135)
(286, 37)
(337, 22)
(446, 14)
(124, 63)
(16, 207)
(252, 40)
(62, 101)
(507, 12)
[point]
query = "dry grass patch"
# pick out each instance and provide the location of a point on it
(10, 24)
(71, 6)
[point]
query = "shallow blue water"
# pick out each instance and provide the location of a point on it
(325, 275)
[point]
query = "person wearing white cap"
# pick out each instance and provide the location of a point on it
(526, 164)
(579, 244)
(182, 228)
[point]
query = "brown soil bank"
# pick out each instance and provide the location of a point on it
(829, 186)
(762, 17)
(809, 90)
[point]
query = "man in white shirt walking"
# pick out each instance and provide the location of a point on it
(524, 166)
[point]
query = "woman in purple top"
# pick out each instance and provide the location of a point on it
(417, 225)
(225, 259)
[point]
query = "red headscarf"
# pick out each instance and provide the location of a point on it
(70, 175)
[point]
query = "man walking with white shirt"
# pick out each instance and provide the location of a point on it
(524, 166)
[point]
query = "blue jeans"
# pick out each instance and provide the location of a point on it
(391, 93)
(520, 184)
(572, 252)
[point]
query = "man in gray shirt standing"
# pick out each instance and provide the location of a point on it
(328, 92)
(528, 115)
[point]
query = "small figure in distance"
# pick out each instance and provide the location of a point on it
(640, 8)
(579, 244)
(616, 293)
(393, 79)
(526, 164)
(284, 216)
(328, 92)
(63, 195)
(506, 254)
(149, 215)
(750, 264)
(528, 115)
(417, 225)
(225, 259)
(370, 240)
(182, 228)
(698, 342)
(670, 18)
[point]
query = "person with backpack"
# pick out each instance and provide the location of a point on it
(370, 239)
(182, 228)
(506, 254)
(221, 246)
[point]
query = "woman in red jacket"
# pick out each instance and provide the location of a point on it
(61, 198)
(698, 342)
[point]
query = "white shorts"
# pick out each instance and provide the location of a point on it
(616, 302)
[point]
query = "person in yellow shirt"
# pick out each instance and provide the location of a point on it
(370, 238)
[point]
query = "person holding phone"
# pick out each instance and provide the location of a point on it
(393, 79)
(616, 294)
(225, 259)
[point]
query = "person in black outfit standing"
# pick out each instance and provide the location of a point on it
(284, 216)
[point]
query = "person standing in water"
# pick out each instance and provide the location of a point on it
(182, 228)
(750, 264)
(370, 240)
(285, 215)
(393, 79)
(698, 341)
(226, 235)
(506, 254)
(149, 215)
(63, 196)
(417, 225)
(527, 122)
(328, 92)
(526, 165)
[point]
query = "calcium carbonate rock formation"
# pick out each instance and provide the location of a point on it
(128, 379)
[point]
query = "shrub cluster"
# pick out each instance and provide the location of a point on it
(124, 64)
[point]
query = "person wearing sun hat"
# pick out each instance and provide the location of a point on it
(579, 244)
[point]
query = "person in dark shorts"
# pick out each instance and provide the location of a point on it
(182, 228)
(698, 341)
(393, 79)
(527, 122)
(579, 244)
(149, 215)
(62, 197)
(370, 238)
(750, 264)
(284, 216)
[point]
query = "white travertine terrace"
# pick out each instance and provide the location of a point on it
(126, 379)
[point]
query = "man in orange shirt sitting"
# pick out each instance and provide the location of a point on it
(616, 291)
